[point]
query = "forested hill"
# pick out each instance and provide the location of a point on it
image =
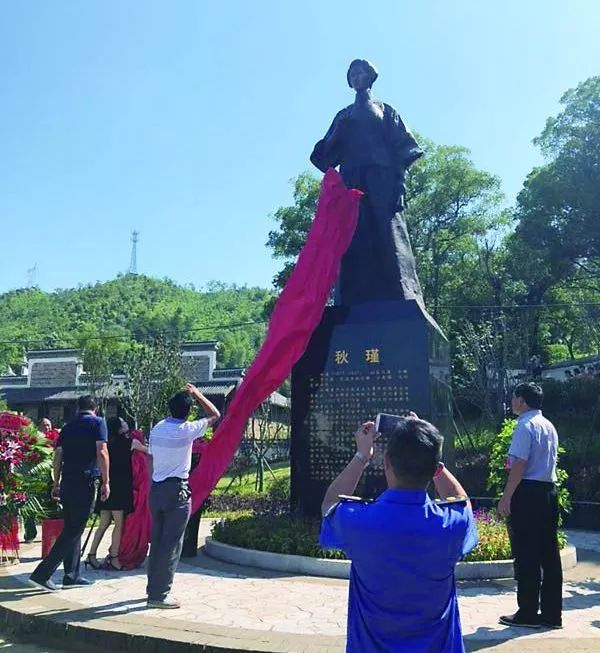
(132, 306)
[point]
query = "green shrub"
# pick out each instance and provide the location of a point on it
(493, 543)
(497, 470)
(279, 489)
(498, 474)
(301, 537)
(276, 534)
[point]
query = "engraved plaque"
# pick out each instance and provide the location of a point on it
(387, 357)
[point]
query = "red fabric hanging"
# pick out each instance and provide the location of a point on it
(295, 317)
(138, 524)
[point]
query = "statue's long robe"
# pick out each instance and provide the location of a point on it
(373, 156)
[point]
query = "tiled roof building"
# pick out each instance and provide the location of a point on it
(51, 380)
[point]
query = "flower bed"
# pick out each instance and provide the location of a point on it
(238, 505)
(283, 534)
(493, 539)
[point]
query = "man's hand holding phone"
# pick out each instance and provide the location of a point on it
(365, 436)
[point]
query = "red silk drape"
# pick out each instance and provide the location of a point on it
(295, 317)
(138, 524)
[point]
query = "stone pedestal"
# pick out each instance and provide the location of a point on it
(386, 357)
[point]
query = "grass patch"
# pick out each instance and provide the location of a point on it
(241, 498)
(246, 483)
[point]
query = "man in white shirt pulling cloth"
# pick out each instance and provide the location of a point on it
(171, 443)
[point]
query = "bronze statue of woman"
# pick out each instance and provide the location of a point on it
(373, 149)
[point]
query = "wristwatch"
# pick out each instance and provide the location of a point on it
(362, 458)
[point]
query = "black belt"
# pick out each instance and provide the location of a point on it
(529, 482)
(172, 479)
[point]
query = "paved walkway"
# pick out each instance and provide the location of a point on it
(278, 612)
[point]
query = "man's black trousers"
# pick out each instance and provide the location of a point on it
(190, 538)
(533, 529)
(77, 496)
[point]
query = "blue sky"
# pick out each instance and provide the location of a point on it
(187, 119)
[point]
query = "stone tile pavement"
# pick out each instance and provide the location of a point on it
(310, 613)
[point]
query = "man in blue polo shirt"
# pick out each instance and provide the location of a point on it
(530, 501)
(403, 546)
(80, 459)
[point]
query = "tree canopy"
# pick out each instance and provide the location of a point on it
(525, 280)
(106, 317)
(527, 277)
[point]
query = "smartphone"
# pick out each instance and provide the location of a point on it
(386, 423)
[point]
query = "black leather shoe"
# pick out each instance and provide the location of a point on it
(46, 585)
(555, 625)
(519, 621)
(78, 582)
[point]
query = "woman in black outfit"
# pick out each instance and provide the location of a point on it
(120, 500)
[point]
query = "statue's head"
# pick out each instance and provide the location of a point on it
(361, 74)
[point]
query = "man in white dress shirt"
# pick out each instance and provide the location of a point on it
(171, 443)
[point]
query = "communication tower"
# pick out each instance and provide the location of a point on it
(134, 241)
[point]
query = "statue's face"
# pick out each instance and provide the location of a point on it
(360, 77)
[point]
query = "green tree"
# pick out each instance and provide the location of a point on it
(101, 358)
(557, 235)
(452, 207)
(238, 346)
(570, 327)
(262, 433)
(154, 374)
(125, 309)
(558, 206)
(30, 319)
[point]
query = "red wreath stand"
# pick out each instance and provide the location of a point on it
(51, 529)
(9, 539)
